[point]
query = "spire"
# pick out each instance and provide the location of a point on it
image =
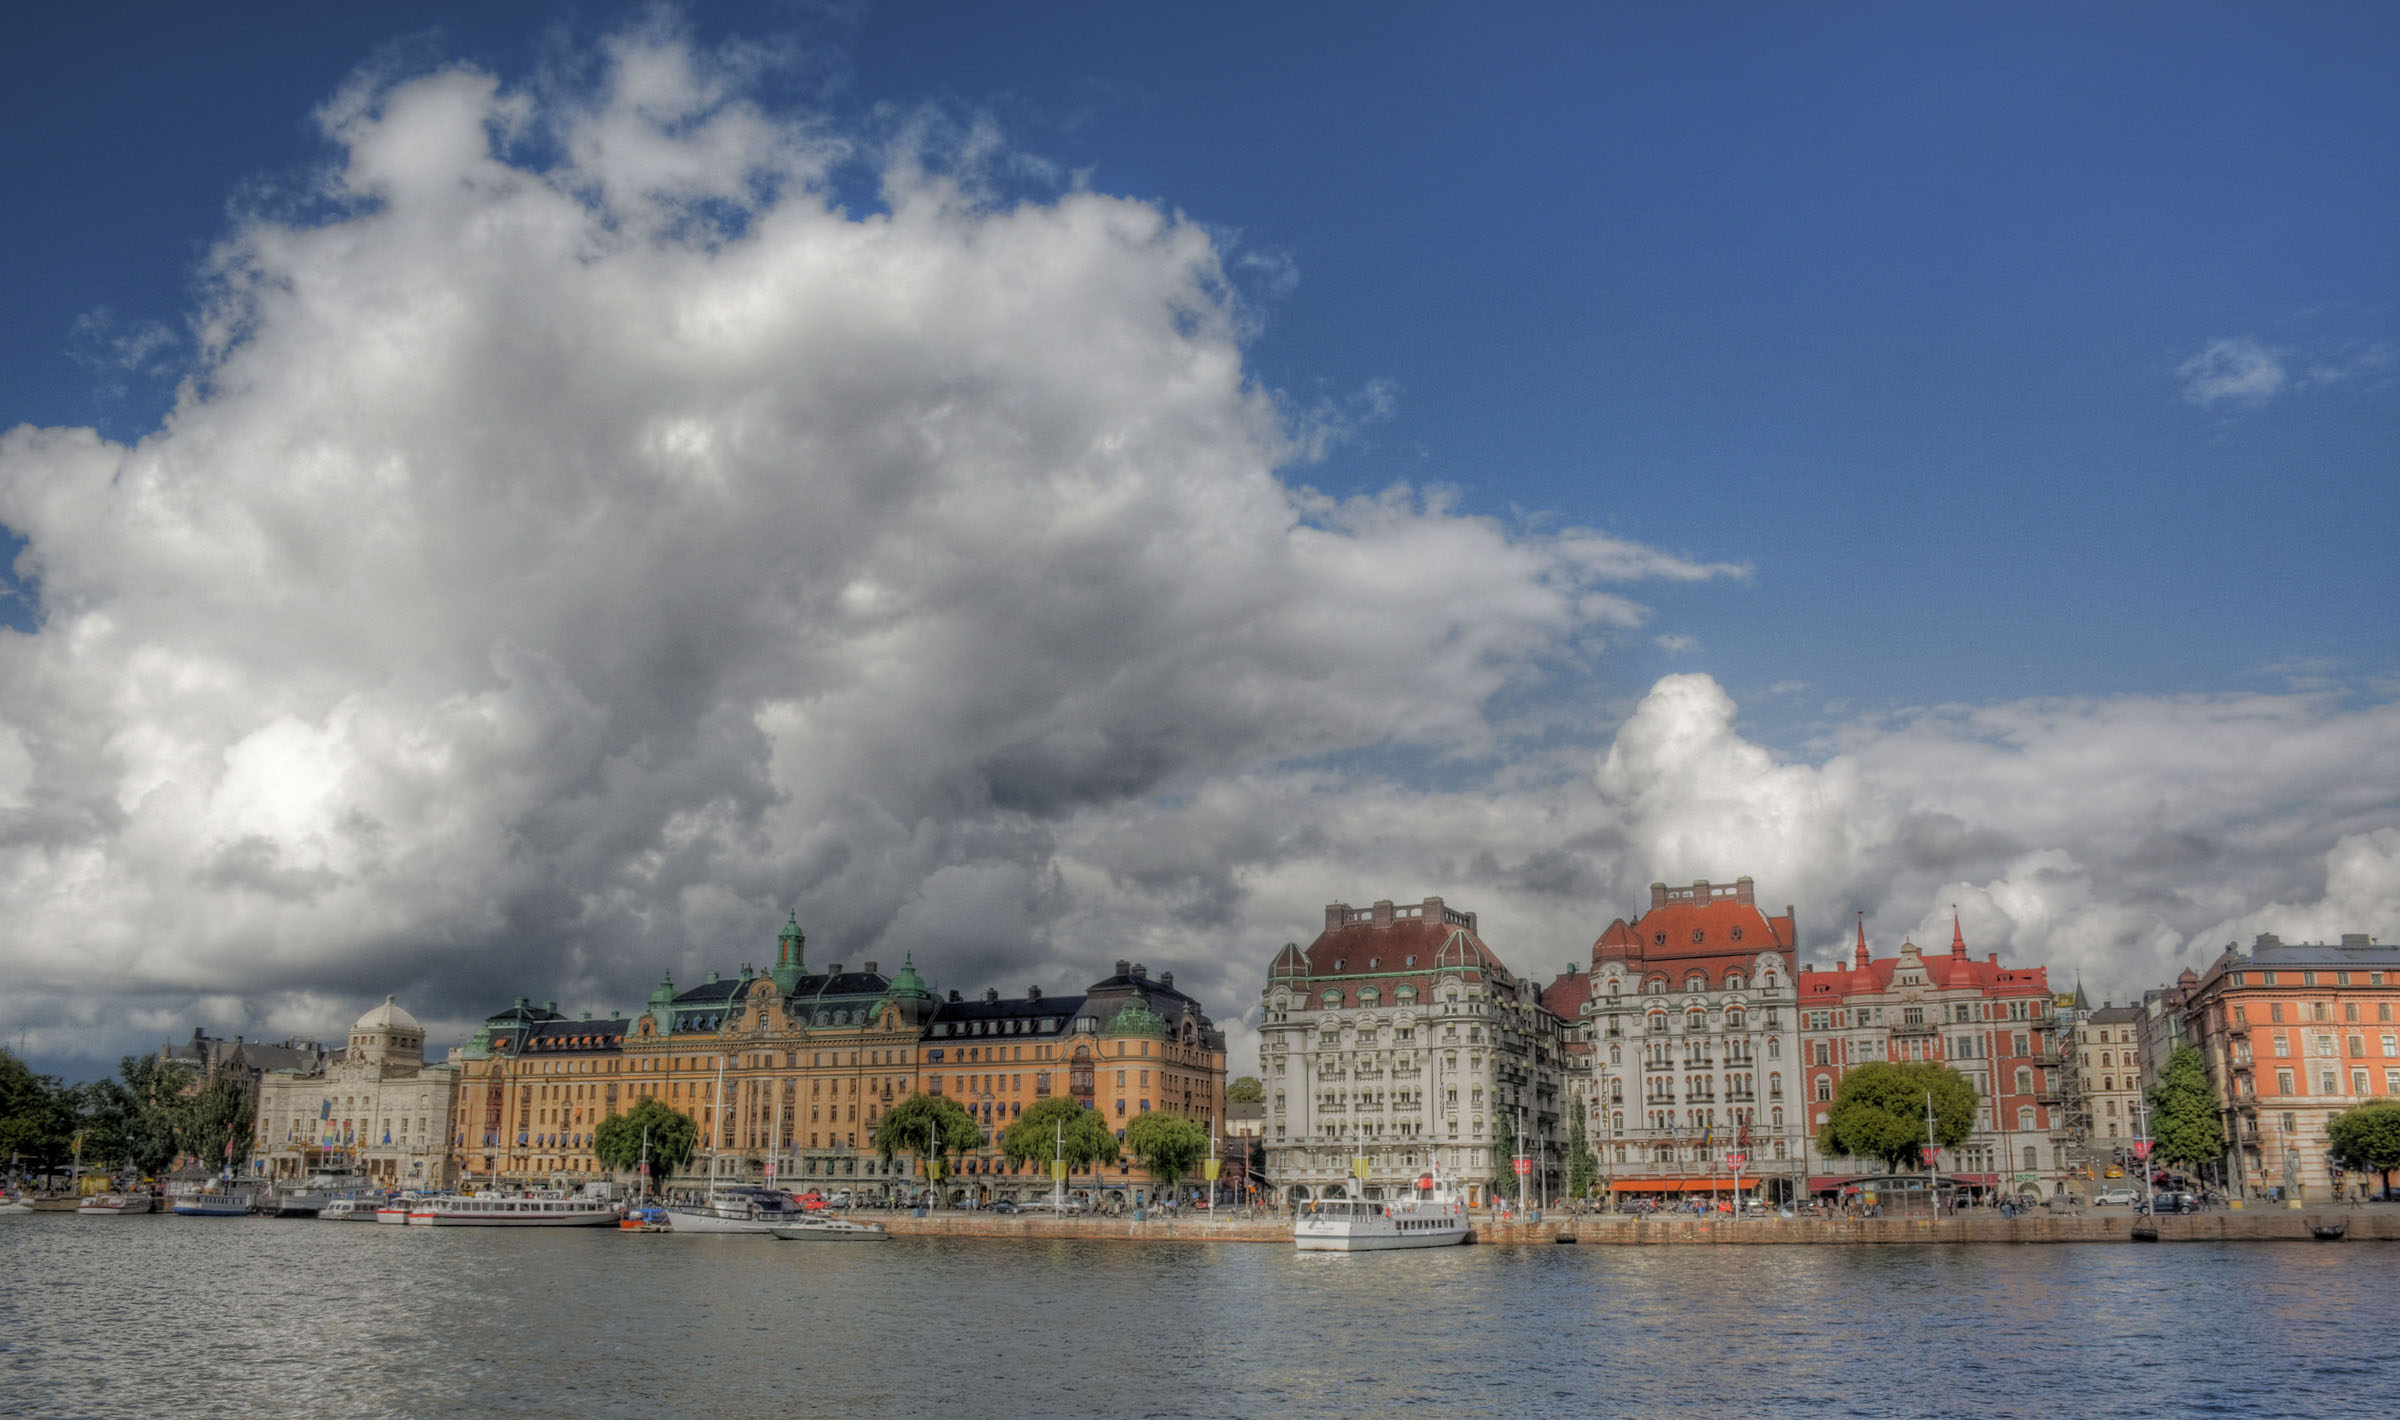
(790, 966)
(1958, 939)
(1862, 941)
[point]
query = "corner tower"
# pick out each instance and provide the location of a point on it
(789, 963)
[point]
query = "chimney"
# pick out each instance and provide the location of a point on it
(991, 995)
(1383, 912)
(712, 978)
(554, 1008)
(1167, 979)
(2356, 939)
(871, 969)
(1124, 967)
(1658, 895)
(1743, 891)
(1033, 993)
(953, 993)
(1140, 972)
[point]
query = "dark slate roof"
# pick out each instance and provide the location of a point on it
(1009, 1008)
(869, 984)
(1149, 986)
(711, 993)
(559, 1033)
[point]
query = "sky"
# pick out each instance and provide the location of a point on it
(514, 500)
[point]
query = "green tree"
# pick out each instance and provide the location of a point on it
(1246, 1089)
(214, 1125)
(37, 1116)
(2184, 1125)
(1168, 1145)
(931, 1127)
(145, 1109)
(1583, 1170)
(2367, 1138)
(673, 1138)
(1059, 1127)
(1879, 1112)
(1504, 1154)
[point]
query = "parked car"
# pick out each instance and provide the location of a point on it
(1003, 1206)
(838, 1200)
(2116, 1197)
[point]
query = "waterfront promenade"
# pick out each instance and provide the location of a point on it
(2364, 1225)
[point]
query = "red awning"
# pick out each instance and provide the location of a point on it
(1722, 1184)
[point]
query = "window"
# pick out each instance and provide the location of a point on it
(1824, 1087)
(2358, 1082)
(2024, 1081)
(2283, 1047)
(2275, 1012)
(1733, 979)
(2349, 1008)
(2283, 1086)
(1696, 981)
(2391, 1045)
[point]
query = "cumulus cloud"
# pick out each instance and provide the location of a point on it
(582, 539)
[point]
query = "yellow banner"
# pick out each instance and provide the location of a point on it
(1359, 1167)
(1210, 1172)
(1058, 1168)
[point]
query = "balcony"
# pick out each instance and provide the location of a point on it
(1918, 1028)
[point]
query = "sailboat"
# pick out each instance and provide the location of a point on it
(732, 1208)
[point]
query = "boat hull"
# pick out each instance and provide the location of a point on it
(821, 1233)
(1330, 1241)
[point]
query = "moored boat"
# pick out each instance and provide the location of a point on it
(347, 1210)
(114, 1205)
(737, 1210)
(542, 1209)
(11, 1204)
(397, 1210)
(646, 1220)
(831, 1230)
(217, 1198)
(1431, 1216)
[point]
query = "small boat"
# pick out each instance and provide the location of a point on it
(346, 1210)
(113, 1205)
(1431, 1216)
(646, 1220)
(2145, 1234)
(397, 1210)
(831, 1230)
(11, 1204)
(737, 1209)
(2329, 1232)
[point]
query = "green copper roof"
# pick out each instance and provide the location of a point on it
(907, 983)
(1136, 1018)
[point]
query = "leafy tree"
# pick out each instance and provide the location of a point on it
(1246, 1089)
(1059, 1127)
(214, 1126)
(2367, 1138)
(1583, 1170)
(929, 1126)
(2184, 1125)
(144, 1107)
(1879, 1112)
(674, 1137)
(1168, 1145)
(1504, 1154)
(37, 1116)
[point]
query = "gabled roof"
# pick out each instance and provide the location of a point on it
(1680, 929)
(1565, 997)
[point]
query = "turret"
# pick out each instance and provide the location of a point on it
(789, 964)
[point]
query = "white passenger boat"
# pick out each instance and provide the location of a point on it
(831, 1230)
(547, 1209)
(347, 1210)
(217, 1198)
(1431, 1216)
(114, 1205)
(308, 1199)
(399, 1209)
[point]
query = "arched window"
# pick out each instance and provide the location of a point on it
(1616, 1092)
(1733, 981)
(1658, 1021)
(1775, 1084)
(1655, 986)
(1613, 987)
(1734, 1018)
(1695, 981)
(1404, 993)
(1824, 1088)
(1774, 1047)
(1695, 1020)
(1368, 996)
(1775, 1117)
(1331, 1000)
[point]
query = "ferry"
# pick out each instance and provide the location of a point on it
(218, 1198)
(1431, 1216)
(545, 1209)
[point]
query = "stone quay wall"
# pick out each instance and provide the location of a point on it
(1610, 1230)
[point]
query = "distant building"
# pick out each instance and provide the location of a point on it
(377, 1108)
(1686, 1044)
(1996, 1024)
(1398, 1041)
(205, 1057)
(2293, 1034)
(2108, 1052)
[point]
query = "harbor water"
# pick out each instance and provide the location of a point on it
(259, 1317)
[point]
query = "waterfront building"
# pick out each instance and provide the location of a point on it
(1687, 1017)
(2293, 1034)
(376, 1107)
(1398, 1038)
(788, 1072)
(1997, 1025)
(533, 1086)
(2108, 1056)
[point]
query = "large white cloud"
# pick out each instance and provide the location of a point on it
(584, 540)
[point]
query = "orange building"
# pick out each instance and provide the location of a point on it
(2293, 1034)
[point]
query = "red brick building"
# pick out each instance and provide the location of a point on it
(1993, 1023)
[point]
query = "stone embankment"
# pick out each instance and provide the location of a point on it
(1610, 1230)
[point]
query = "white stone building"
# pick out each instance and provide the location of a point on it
(377, 1107)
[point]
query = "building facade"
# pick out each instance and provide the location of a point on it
(2293, 1034)
(2108, 1052)
(376, 1108)
(1997, 1025)
(788, 1073)
(1688, 1021)
(1397, 1042)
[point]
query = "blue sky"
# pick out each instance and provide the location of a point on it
(2036, 363)
(1889, 304)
